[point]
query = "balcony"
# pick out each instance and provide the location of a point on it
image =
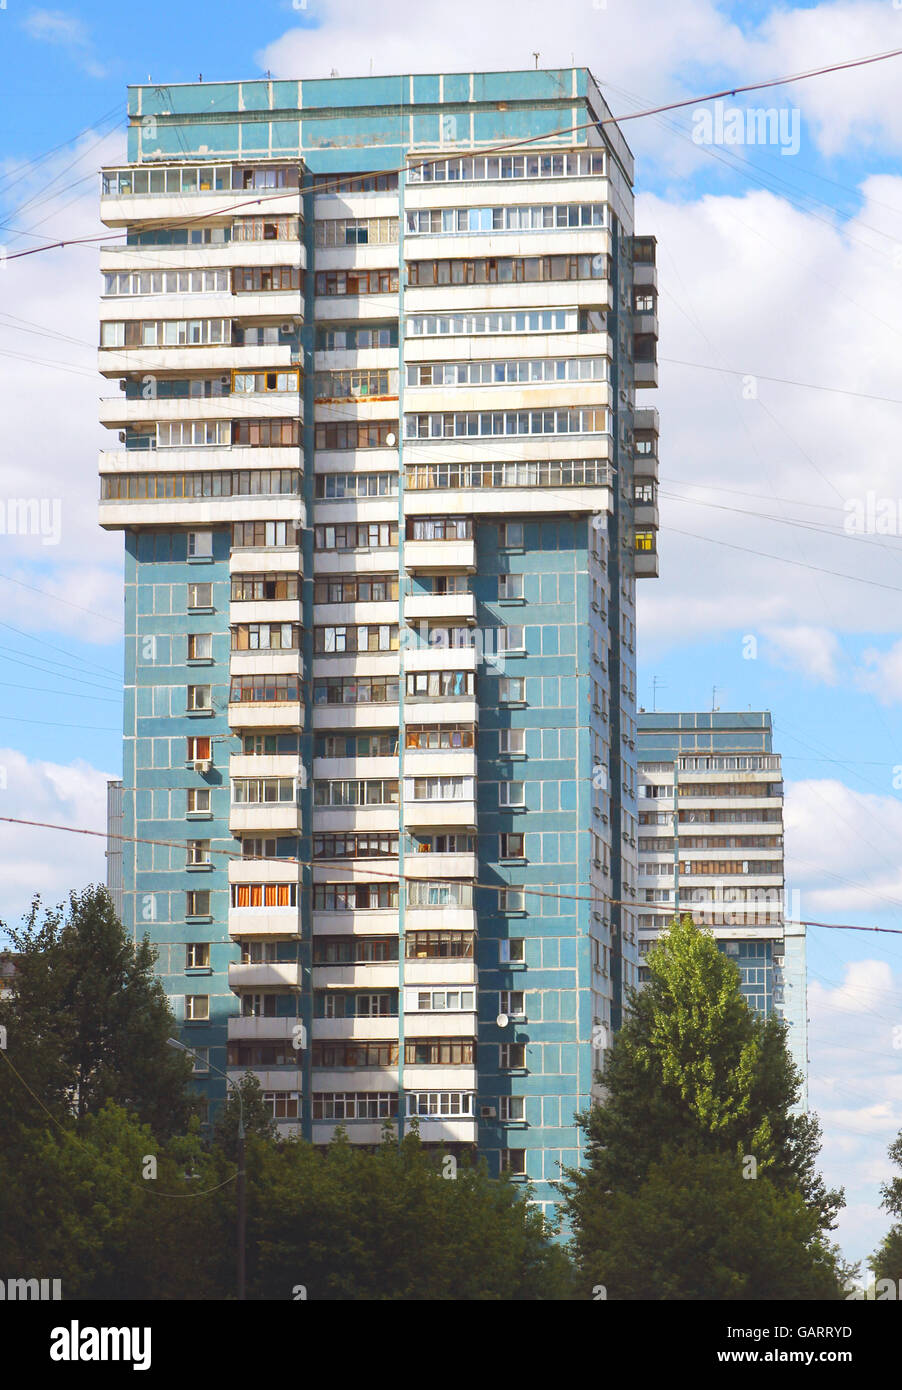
(271, 975)
(371, 975)
(440, 557)
(267, 714)
(262, 1030)
(265, 818)
(356, 1029)
(439, 972)
(645, 564)
(422, 607)
(439, 815)
(264, 921)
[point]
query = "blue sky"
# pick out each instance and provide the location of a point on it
(771, 265)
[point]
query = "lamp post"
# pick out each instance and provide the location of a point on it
(241, 1215)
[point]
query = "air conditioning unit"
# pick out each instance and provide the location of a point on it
(202, 765)
(123, 384)
(487, 1112)
(287, 327)
(122, 436)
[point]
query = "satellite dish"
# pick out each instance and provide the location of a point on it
(390, 440)
(502, 1020)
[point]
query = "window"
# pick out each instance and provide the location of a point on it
(440, 684)
(197, 954)
(511, 1109)
(510, 586)
(200, 545)
(198, 749)
(256, 791)
(511, 1056)
(512, 951)
(282, 1105)
(197, 1008)
(200, 595)
(264, 895)
(265, 689)
(511, 900)
(512, 690)
(510, 846)
(354, 1105)
(376, 791)
(512, 742)
(438, 1104)
(200, 697)
(201, 1060)
(510, 535)
(511, 793)
(440, 1000)
(197, 903)
(198, 800)
(198, 852)
(440, 1052)
(200, 646)
(439, 945)
(513, 1161)
(510, 1002)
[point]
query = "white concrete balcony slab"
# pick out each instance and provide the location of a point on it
(645, 374)
(355, 716)
(147, 208)
(271, 818)
(116, 411)
(263, 871)
(358, 1131)
(265, 611)
(367, 922)
(645, 564)
(354, 818)
(440, 919)
(262, 1030)
(645, 275)
(283, 559)
(444, 1129)
(272, 975)
(264, 921)
(435, 607)
(547, 294)
(355, 1029)
(538, 241)
(590, 188)
(539, 395)
(509, 345)
(377, 560)
(365, 612)
(267, 765)
(445, 762)
(439, 1078)
(425, 710)
(366, 308)
(429, 658)
(440, 815)
(436, 973)
(272, 1078)
(376, 977)
(327, 513)
(332, 769)
(355, 1079)
(266, 663)
(211, 359)
(262, 715)
(441, 866)
(440, 557)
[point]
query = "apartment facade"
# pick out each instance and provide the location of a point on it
(711, 844)
(373, 348)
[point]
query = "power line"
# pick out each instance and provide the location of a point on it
(819, 569)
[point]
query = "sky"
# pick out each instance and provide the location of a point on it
(780, 273)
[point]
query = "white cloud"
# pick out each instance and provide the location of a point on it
(64, 31)
(813, 651)
(49, 862)
(882, 675)
(856, 1090)
(862, 874)
(48, 355)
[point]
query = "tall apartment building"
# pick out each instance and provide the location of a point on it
(711, 844)
(373, 348)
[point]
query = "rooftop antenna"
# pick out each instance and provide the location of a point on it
(334, 72)
(656, 684)
(536, 56)
(714, 705)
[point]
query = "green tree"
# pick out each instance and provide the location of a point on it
(696, 1229)
(258, 1118)
(88, 1020)
(694, 1072)
(345, 1223)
